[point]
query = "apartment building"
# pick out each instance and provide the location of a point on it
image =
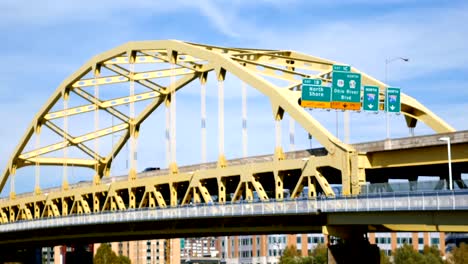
(267, 249)
(198, 247)
(261, 249)
(155, 251)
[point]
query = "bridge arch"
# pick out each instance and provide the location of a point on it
(192, 61)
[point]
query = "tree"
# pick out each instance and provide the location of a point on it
(105, 255)
(290, 255)
(320, 254)
(124, 260)
(407, 255)
(459, 255)
(384, 259)
(307, 260)
(432, 255)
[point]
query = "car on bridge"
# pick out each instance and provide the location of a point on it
(151, 169)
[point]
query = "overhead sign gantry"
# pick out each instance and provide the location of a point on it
(345, 93)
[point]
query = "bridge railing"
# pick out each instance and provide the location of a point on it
(412, 186)
(398, 187)
(422, 201)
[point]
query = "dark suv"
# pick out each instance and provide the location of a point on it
(151, 169)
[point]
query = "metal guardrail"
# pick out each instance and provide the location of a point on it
(412, 186)
(433, 201)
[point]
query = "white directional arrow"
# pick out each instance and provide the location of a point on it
(370, 106)
(392, 107)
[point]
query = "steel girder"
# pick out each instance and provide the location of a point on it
(190, 61)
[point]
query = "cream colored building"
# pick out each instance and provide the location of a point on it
(267, 249)
(155, 251)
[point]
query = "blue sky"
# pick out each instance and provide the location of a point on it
(43, 42)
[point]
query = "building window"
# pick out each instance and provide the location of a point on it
(435, 241)
(404, 240)
(298, 239)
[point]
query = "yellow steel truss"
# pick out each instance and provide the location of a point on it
(191, 61)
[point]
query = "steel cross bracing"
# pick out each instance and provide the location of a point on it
(183, 62)
(429, 211)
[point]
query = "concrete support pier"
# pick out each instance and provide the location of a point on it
(350, 246)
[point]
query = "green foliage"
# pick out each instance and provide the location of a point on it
(105, 255)
(307, 260)
(459, 255)
(320, 254)
(384, 259)
(432, 255)
(407, 255)
(292, 256)
(124, 260)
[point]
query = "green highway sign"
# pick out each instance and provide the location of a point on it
(370, 101)
(346, 90)
(344, 68)
(314, 95)
(311, 82)
(392, 100)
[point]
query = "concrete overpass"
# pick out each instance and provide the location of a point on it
(441, 211)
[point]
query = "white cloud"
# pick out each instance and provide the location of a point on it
(432, 38)
(50, 12)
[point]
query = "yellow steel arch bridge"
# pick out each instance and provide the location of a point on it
(163, 68)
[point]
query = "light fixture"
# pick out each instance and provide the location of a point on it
(447, 139)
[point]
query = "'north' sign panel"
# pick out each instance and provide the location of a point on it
(370, 101)
(392, 100)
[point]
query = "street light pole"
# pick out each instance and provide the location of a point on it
(449, 153)
(387, 116)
